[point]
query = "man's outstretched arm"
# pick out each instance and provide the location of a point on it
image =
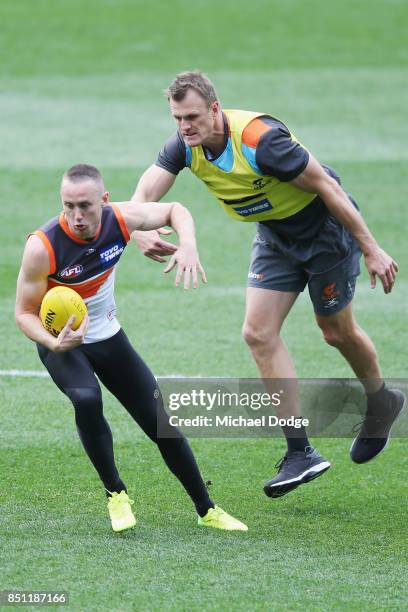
(315, 180)
(152, 186)
(152, 215)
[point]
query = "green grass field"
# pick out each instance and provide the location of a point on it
(83, 82)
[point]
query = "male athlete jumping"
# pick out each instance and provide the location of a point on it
(310, 233)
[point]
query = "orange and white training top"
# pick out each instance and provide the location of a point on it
(88, 266)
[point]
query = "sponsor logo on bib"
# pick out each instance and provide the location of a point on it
(254, 209)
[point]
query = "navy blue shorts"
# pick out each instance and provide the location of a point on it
(328, 264)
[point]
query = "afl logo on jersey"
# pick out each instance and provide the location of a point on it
(71, 271)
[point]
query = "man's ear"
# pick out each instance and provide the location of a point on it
(215, 107)
(105, 197)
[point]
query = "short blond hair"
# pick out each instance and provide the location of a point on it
(196, 80)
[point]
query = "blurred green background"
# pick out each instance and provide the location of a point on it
(83, 82)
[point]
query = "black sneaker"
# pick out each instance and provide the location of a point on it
(296, 468)
(375, 430)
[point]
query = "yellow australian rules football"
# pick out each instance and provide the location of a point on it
(58, 305)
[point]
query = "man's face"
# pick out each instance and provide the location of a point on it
(82, 204)
(194, 118)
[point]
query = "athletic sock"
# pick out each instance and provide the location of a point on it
(378, 397)
(117, 488)
(296, 438)
(202, 510)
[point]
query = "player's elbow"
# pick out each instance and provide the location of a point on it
(329, 187)
(176, 206)
(176, 212)
(19, 318)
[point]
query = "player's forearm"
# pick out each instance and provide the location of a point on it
(142, 195)
(154, 183)
(149, 190)
(182, 222)
(340, 207)
(31, 327)
(145, 192)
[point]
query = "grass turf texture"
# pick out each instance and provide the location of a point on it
(83, 83)
(334, 544)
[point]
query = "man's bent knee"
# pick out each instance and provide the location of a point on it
(259, 338)
(252, 335)
(87, 402)
(338, 336)
(84, 397)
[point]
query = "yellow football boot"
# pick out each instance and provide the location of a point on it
(120, 511)
(217, 518)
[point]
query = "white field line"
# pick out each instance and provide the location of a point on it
(44, 374)
(24, 373)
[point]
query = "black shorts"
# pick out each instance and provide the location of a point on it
(328, 264)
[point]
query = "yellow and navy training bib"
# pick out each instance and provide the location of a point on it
(242, 189)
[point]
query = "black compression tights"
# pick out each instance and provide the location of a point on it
(127, 377)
